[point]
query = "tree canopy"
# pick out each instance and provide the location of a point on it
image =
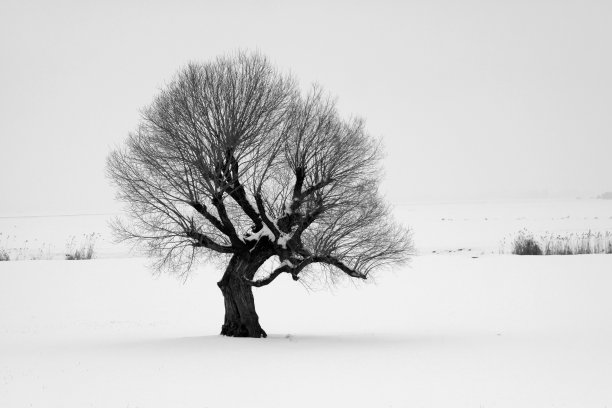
(233, 159)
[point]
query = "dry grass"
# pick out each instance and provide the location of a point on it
(83, 249)
(525, 244)
(4, 248)
(557, 244)
(577, 244)
(76, 249)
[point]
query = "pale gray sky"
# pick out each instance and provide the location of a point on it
(474, 99)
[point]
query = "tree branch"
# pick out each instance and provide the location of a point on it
(202, 210)
(299, 182)
(217, 201)
(316, 187)
(286, 267)
(264, 217)
(204, 241)
(329, 260)
(307, 220)
(238, 193)
(295, 270)
(267, 280)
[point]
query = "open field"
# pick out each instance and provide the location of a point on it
(468, 328)
(478, 226)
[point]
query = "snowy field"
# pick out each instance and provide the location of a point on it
(462, 326)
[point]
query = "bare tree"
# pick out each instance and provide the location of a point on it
(232, 159)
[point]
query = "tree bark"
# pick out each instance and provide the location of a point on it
(241, 319)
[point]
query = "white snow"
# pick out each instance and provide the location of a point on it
(455, 329)
(287, 262)
(263, 232)
(288, 210)
(282, 240)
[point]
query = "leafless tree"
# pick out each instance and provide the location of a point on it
(232, 159)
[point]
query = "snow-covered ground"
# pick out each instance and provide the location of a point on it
(470, 328)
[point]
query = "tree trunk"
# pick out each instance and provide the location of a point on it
(241, 319)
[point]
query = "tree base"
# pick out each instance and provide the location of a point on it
(240, 330)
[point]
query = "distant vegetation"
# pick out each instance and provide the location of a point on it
(83, 249)
(525, 244)
(605, 196)
(11, 250)
(556, 244)
(4, 253)
(76, 249)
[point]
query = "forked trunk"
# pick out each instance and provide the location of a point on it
(241, 319)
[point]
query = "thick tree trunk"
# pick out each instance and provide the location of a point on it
(241, 319)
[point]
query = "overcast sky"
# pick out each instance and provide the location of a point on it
(474, 99)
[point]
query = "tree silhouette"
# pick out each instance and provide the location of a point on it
(231, 159)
